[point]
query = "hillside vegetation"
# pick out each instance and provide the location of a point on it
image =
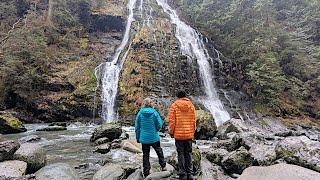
(49, 49)
(274, 46)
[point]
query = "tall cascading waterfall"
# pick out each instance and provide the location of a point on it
(109, 72)
(193, 47)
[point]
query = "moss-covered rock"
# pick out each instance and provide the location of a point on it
(206, 127)
(237, 161)
(10, 124)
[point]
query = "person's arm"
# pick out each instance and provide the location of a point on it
(172, 120)
(158, 121)
(137, 127)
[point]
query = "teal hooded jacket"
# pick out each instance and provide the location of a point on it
(147, 125)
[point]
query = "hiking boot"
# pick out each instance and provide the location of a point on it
(164, 168)
(145, 175)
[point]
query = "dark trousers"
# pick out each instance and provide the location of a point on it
(184, 149)
(146, 155)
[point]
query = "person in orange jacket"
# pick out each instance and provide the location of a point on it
(182, 126)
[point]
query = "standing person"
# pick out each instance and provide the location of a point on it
(147, 125)
(182, 125)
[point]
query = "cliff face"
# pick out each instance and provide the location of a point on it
(154, 67)
(47, 63)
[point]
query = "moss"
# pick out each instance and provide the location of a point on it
(262, 122)
(12, 121)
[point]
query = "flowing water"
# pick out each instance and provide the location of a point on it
(192, 46)
(110, 71)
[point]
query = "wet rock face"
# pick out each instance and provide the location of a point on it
(301, 151)
(279, 171)
(33, 154)
(237, 161)
(12, 169)
(10, 124)
(111, 131)
(57, 171)
(7, 149)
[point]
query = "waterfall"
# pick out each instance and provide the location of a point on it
(192, 46)
(109, 72)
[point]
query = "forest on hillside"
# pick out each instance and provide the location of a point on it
(275, 43)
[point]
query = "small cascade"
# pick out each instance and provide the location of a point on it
(108, 72)
(193, 47)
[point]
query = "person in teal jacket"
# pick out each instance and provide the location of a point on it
(147, 126)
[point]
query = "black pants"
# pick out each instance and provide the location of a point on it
(184, 149)
(146, 155)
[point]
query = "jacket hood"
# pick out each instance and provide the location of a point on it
(147, 111)
(184, 104)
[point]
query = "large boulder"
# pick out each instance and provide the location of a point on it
(58, 171)
(110, 172)
(301, 151)
(233, 125)
(29, 139)
(263, 154)
(12, 169)
(215, 156)
(135, 175)
(33, 154)
(206, 127)
(279, 171)
(7, 149)
(111, 131)
(131, 146)
(10, 124)
(237, 161)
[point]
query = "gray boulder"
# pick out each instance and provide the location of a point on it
(206, 127)
(12, 169)
(233, 125)
(237, 161)
(263, 154)
(7, 149)
(29, 139)
(58, 171)
(131, 146)
(110, 172)
(216, 156)
(279, 171)
(301, 151)
(33, 154)
(111, 131)
(103, 148)
(53, 128)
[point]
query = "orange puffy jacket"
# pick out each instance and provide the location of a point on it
(182, 119)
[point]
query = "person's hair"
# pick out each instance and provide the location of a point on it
(147, 102)
(181, 94)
